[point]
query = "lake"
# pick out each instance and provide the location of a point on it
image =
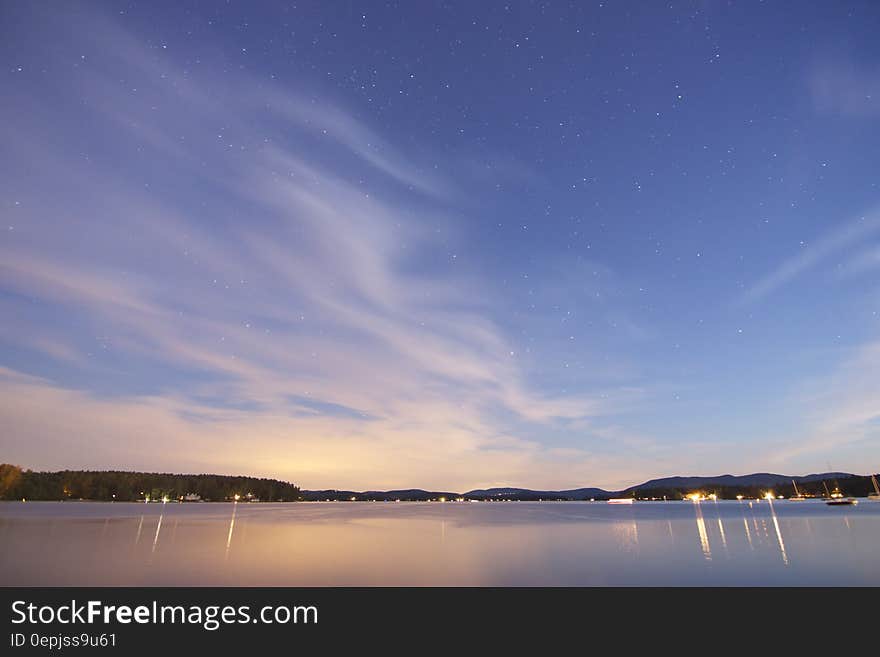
(440, 544)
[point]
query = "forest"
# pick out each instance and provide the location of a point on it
(110, 485)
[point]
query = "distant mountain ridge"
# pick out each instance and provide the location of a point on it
(409, 494)
(757, 479)
(110, 485)
(417, 494)
(522, 493)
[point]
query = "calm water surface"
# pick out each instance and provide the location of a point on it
(454, 544)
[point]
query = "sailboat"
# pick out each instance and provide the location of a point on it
(798, 496)
(875, 496)
(836, 498)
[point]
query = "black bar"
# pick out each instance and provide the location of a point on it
(424, 619)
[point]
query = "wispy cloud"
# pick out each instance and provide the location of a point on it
(354, 136)
(844, 87)
(841, 411)
(850, 235)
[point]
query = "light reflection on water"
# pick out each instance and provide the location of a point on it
(231, 528)
(721, 529)
(465, 544)
(778, 532)
(748, 532)
(701, 531)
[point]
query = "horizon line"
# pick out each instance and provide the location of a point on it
(440, 490)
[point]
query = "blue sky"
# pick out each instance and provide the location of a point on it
(447, 245)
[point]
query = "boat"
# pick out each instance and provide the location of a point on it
(836, 498)
(875, 496)
(621, 500)
(841, 501)
(798, 496)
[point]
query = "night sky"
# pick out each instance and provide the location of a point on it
(446, 245)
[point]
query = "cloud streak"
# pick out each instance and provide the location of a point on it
(852, 234)
(844, 411)
(843, 87)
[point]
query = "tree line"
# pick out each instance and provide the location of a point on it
(112, 485)
(856, 486)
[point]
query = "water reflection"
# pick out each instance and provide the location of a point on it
(748, 533)
(778, 532)
(231, 527)
(158, 529)
(701, 530)
(456, 544)
(720, 528)
(627, 535)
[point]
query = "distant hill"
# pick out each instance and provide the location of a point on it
(419, 495)
(528, 494)
(726, 480)
(320, 495)
(726, 486)
(753, 485)
(672, 487)
(410, 495)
